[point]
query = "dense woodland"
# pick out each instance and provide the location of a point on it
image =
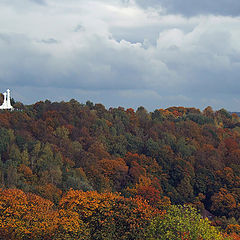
(81, 171)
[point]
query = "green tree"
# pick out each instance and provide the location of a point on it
(4, 140)
(25, 157)
(35, 154)
(15, 154)
(182, 222)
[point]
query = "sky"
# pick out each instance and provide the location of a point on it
(129, 53)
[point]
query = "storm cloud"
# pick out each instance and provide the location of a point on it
(121, 53)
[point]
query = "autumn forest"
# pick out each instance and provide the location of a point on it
(81, 171)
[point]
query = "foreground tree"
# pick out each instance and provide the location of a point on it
(182, 222)
(26, 216)
(106, 216)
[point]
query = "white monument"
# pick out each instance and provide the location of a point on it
(6, 101)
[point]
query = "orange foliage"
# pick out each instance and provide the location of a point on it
(233, 228)
(4, 119)
(115, 170)
(26, 216)
(230, 144)
(109, 213)
(223, 202)
(227, 175)
(232, 236)
(68, 162)
(146, 189)
(50, 192)
(69, 127)
(26, 171)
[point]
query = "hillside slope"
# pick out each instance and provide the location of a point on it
(181, 153)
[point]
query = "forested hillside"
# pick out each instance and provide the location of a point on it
(176, 155)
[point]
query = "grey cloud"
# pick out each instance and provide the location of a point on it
(196, 7)
(23, 6)
(49, 41)
(41, 2)
(21, 64)
(209, 67)
(158, 62)
(118, 74)
(138, 34)
(79, 28)
(86, 69)
(5, 38)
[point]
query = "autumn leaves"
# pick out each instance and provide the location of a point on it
(94, 216)
(79, 215)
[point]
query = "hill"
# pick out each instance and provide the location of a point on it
(180, 154)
